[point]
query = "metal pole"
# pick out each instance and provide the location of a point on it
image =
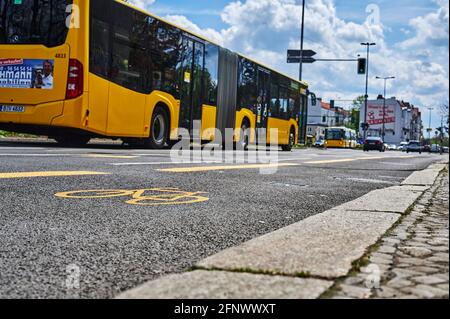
(429, 125)
(366, 96)
(441, 151)
(384, 110)
(302, 37)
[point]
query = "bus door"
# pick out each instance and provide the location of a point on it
(191, 83)
(263, 99)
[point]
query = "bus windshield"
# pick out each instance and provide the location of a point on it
(335, 135)
(34, 22)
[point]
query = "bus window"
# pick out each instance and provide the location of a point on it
(211, 73)
(247, 85)
(34, 22)
(284, 103)
(99, 48)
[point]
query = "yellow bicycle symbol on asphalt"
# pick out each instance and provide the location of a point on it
(144, 197)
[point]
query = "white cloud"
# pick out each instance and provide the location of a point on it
(265, 29)
(142, 3)
(184, 22)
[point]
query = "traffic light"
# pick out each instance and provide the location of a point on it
(332, 104)
(313, 99)
(362, 66)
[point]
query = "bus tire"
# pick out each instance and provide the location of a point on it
(159, 129)
(72, 140)
(288, 147)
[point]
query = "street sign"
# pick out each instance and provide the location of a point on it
(298, 53)
(297, 60)
(294, 56)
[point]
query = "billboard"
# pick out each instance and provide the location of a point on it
(26, 73)
(375, 115)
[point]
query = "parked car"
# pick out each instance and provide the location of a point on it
(374, 144)
(402, 146)
(392, 147)
(435, 148)
(426, 148)
(445, 149)
(319, 143)
(414, 146)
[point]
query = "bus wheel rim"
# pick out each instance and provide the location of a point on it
(159, 127)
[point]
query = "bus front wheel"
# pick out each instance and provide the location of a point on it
(159, 129)
(288, 147)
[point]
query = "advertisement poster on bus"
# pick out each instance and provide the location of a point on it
(26, 74)
(375, 115)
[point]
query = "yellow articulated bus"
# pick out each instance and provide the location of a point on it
(340, 137)
(77, 69)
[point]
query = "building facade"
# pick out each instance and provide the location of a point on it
(402, 121)
(320, 116)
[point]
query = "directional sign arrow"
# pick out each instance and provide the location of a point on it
(297, 60)
(308, 60)
(298, 53)
(309, 53)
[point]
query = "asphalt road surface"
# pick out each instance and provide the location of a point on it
(93, 222)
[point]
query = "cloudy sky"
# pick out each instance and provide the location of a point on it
(412, 39)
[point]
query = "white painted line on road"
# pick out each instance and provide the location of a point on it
(110, 156)
(333, 161)
(35, 155)
(158, 163)
(226, 167)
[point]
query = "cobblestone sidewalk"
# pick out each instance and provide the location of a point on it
(412, 260)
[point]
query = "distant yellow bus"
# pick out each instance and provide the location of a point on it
(340, 137)
(77, 69)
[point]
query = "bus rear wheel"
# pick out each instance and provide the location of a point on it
(72, 140)
(288, 147)
(159, 129)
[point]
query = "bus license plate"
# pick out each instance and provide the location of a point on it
(12, 108)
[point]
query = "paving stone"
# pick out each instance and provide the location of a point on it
(386, 292)
(438, 259)
(386, 249)
(227, 285)
(382, 261)
(443, 286)
(355, 292)
(355, 280)
(425, 291)
(426, 177)
(399, 283)
(394, 200)
(439, 248)
(413, 261)
(416, 251)
(424, 269)
(429, 280)
(408, 297)
(405, 273)
(311, 246)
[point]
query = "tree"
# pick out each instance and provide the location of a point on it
(355, 113)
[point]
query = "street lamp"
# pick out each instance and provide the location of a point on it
(302, 36)
(366, 96)
(384, 102)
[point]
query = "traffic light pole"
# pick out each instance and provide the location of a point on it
(366, 96)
